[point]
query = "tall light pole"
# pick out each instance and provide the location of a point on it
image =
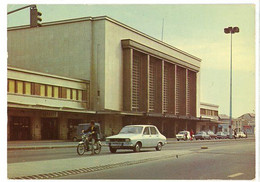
(231, 30)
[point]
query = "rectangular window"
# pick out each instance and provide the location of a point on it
(28, 88)
(42, 90)
(49, 91)
(68, 93)
(80, 95)
(19, 86)
(63, 93)
(56, 92)
(74, 94)
(36, 88)
(11, 86)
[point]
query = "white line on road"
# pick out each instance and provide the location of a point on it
(235, 175)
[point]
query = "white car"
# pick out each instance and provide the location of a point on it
(183, 135)
(241, 135)
(136, 137)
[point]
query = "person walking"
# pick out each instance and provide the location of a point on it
(191, 134)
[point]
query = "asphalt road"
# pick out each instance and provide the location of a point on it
(14, 156)
(227, 160)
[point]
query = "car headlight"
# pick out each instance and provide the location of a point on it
(128, 140)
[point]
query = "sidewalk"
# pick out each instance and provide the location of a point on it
(50, 144)
(83, 164)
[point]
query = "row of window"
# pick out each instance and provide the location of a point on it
(208, 112)
(44, 90)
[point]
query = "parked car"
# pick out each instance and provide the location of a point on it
(183, 135)
(202, 135)
(241, 134)
(222, 135)
(212, 134)
(136, 137)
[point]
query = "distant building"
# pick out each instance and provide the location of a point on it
(70, 72)
(224, 125)
(209, 112)
(247, 122)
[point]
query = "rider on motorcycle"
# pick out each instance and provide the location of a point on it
(93, 136)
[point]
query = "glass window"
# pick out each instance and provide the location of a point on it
(42, 90)
(19, 85)
(74, 94)
(131, 129)
(79, 94)
(11, 86)
(146, 131)
(68, 93)
(28, 88)
(56, 92)
(49, 91)
(153, 131)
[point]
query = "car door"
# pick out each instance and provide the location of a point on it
(154, 137)
(146, 137)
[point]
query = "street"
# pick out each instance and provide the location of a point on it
(229, 159)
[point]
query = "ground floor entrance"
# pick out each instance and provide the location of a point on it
(21, 128)
(49, 128)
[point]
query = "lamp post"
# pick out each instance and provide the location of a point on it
(231, 30)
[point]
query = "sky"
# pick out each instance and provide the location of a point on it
(197, 29)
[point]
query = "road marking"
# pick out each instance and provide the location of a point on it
(235, 175)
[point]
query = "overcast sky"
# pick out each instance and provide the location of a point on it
(197, 29)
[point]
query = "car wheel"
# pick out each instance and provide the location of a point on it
(177, 139)
(137, 147)
(112, 150)
(159, 147)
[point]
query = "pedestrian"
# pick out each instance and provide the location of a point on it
(235, 133)
(191, 134)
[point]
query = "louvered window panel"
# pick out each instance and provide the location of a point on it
(165, 88)
(178, 76)
(136, 84)
(151, 86)
(188, 92)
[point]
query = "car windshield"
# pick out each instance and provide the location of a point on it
(182, 132)
(200, 133)
(131, 130)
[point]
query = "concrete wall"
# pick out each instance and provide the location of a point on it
(114, 59)
(63, 49)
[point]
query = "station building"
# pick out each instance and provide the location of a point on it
(70, 72)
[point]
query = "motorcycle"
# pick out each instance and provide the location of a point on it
(82, 146)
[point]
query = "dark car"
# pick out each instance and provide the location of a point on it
(212, 135)
(202, 135)
(221, 135)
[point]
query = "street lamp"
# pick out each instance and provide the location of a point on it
(231, 30)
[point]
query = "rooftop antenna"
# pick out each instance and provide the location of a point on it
(162, 29)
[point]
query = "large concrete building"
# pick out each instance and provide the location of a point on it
(69, 72)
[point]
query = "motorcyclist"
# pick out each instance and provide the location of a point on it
(93, 136)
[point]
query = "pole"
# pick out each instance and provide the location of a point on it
(20, 9)
(230, 121)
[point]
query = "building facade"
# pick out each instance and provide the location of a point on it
(210, 112)
(69, 72)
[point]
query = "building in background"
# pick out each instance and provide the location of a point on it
(248, 122)
(208, 112)
(70, 72)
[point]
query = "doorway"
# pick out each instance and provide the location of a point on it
(49, 128)
(20, 128)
